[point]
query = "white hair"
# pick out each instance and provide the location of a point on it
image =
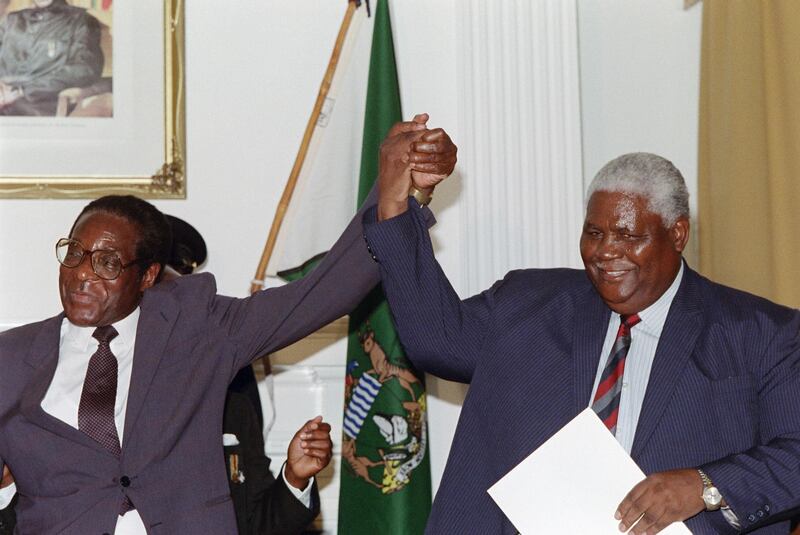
(648, 175)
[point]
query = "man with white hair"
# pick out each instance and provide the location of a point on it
(697, 381)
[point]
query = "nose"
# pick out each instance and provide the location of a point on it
(609, 248)
(84, 269)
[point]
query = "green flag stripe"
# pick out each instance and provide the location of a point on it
(302, 270)
(383, 99)
(385, 476)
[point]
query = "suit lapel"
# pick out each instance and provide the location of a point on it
(159, 311)
(683, 326)
(591, 323)
(43, 357)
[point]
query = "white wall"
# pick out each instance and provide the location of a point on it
(252, 76)
(640, 83)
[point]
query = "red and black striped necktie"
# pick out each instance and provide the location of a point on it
(609, 391)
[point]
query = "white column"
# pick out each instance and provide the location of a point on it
(520, 151)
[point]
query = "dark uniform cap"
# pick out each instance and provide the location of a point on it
(188, 247)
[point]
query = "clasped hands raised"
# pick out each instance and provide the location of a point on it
(412, 155)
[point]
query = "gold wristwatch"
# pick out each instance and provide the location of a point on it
(711, 495)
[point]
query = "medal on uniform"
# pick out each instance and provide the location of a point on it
(237, 476)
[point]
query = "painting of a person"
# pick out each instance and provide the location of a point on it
(45, 49)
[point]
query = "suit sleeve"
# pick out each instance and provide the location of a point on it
(263, 502)
(765, 480)
(276, 317)
(441, 333)
(285, 514)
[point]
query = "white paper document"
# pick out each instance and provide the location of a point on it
(572, 483)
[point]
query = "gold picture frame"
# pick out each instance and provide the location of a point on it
(168, 178)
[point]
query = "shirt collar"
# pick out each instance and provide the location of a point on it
(80, 337)
(126, 327)
(654, 316)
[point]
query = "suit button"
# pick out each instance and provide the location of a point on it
(125, 481)
(760, 513)
(766, 508)
(751, 518)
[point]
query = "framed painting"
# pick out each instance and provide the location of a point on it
(92, 98)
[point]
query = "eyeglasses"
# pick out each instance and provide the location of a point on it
(106, 264)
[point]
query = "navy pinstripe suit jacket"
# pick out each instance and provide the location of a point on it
(723, 394)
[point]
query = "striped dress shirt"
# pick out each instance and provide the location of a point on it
(644, 341)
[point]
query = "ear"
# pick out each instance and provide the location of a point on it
(150, 276)
(679, 234)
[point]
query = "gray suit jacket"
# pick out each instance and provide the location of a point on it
(190, 343)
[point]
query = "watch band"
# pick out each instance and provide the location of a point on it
(706, 480)
(420, 196)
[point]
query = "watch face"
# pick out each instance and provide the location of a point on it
(712, 497)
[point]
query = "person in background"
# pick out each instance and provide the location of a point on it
(263, 504)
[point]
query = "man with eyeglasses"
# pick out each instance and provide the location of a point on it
(111, 412)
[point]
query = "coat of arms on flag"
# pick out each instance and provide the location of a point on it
(387, 403)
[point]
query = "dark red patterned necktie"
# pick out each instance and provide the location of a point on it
(609, 391)
(96, 410)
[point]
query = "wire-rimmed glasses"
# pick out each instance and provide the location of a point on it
(106, 263)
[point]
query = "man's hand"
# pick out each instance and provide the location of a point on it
(309, 452)
(394, 168)
(411, 155)
(660, 500)
(433, 158)
(7, 478)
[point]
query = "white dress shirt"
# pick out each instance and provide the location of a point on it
(63, 396)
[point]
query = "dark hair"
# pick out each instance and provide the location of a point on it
(155, 234)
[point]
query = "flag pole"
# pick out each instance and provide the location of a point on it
(277, 220)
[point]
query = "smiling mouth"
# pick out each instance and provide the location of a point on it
(612, 275)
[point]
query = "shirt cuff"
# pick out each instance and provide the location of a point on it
(304, 496)
(7, 494)
(731, 518)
